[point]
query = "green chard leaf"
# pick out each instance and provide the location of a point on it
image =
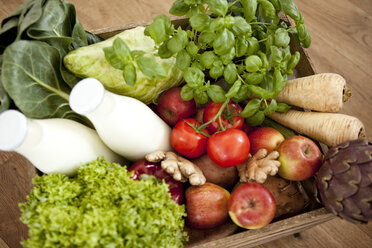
(38, 93)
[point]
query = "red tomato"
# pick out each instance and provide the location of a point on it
(228, 148)
(187, 141)
(229, 120)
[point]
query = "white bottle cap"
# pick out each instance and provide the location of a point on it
(86, 95)
(13, 129)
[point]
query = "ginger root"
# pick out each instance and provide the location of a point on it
(178, 167)
(259, 166)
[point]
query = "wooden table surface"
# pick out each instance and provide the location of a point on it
(341, 32)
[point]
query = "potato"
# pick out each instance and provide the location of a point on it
(224, 177)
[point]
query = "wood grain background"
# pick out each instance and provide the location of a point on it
(341, 32)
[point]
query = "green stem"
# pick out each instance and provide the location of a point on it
(219, 113)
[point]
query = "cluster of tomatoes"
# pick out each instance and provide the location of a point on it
(216, 129)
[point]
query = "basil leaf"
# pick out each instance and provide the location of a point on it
(207, 59)
(281, 38)
(179, 8)
(290, 9)
(251, 108)
(192, 49)
(164, 52)
(295, 58)
(249, 8)
(241, 27)
(122, 50)
(150, 67)
(303, 35)
(224, 41)
(194, 77)
(265, 60)
(266, 9)
(206, 37)
(256, 119)
(217, 69)
(218, 7)
(201, 97)
(276, 4)
(241, 46)
(260, 92)
(282, 108)
(276, 56)
(234, 89)
(253, 63)
(253, 46)
(254, 78)
(130, 74)
(279, 82)
(228, 57)
(183, 60)
(271, 108)
(113, 58)
(200, 22)
(229, 73)
(178, 41)
(187, 93)
(242, 94)
(156, 30)
(216, 93)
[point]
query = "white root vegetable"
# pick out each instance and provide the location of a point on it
(324, 92)
(328, 128)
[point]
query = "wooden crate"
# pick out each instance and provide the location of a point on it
(16, 173)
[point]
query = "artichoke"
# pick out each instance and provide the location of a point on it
(344, 181)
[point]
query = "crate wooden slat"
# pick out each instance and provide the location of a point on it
(16, 174)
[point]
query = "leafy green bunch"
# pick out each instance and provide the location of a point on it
(102, 206)
(33, 41)
(233, 50)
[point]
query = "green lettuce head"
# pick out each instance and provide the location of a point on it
(126, 66)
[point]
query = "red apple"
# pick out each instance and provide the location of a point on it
(172, 108)
(251, 206)
(206, 206)
(265, 137)
(300, 158)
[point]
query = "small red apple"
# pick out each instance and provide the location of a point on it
(251, 206)
(206, 206)
(300, 158)
(265, 137)
(172, 108)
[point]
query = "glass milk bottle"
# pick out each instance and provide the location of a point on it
(126, 125)
(52, 145)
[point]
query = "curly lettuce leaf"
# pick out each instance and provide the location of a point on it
(101, 207)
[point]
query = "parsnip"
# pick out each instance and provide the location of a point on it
(323, 92)
(328, 128)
